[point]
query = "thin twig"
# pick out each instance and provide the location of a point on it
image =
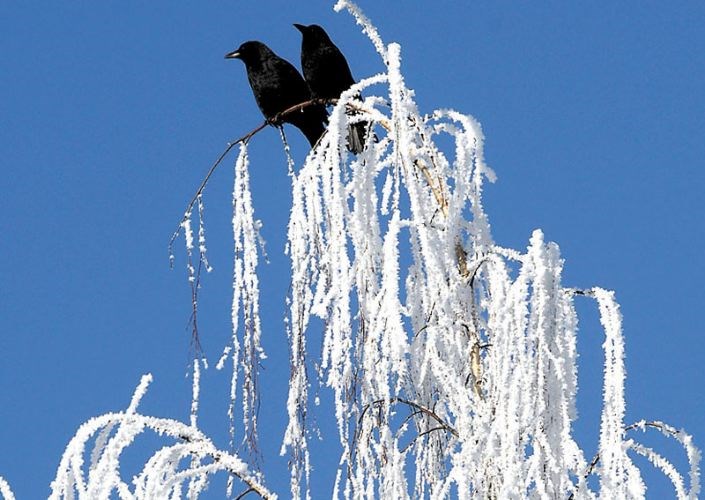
(187, 212)
(422, 434)
(656, 425)
(242, 495)
(195, 277)
(195, 285)
(217, 457)
(418, 410)
(416, 406)
(276, 120)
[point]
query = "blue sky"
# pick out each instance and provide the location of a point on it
(594, 117)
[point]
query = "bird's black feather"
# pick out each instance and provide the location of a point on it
(328, 75)
(277, 85)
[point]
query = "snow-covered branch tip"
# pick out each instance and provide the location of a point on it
(194, 271)
(683, 438)
(276, 121)
(161, 475)
(5, 490)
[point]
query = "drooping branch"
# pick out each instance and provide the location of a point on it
(276, 121)
(665, 429)
(417, 410)
(111, 433)
(417, 407)
(184, 224)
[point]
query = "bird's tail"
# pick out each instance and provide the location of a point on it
(357, 133)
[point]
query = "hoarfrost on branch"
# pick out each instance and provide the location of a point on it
(452, 360)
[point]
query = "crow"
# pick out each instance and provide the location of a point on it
(327, 74)
(277, 86)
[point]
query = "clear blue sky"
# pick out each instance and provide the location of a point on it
(111, 115)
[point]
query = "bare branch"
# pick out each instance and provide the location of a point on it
(411, 404)
(242, 495)
(276, 120)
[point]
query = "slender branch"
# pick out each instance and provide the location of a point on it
(655, 425)
(437, 191)
(187, 212)
(253, 487)
(407, 419)
(194, 277)
(217, 456)
(420, 435)
(418, 410)
(195, 285)
(411, 404)
(276, 120)
(590, 468)
(244, 493)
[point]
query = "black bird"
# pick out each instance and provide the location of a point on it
(327, 73)
(277, 86)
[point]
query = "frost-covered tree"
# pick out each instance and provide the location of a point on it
(451, 360)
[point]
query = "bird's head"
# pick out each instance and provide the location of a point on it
(312, 32)
(249, 52)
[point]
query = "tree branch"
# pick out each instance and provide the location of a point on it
(416, 406)
(276, 120)
(656, 425)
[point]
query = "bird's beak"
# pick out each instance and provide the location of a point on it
(233, 55)
(300, 27)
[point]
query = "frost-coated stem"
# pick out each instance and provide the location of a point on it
(5, 490)
(247, 351)
(161, 476)
(392, 250)
(195, 391)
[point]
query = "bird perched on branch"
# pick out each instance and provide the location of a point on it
(327, 74)
(277, 86)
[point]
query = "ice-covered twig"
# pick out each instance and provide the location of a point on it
(230, 145)
(161, 476)
(5, 490)
(682, 437)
